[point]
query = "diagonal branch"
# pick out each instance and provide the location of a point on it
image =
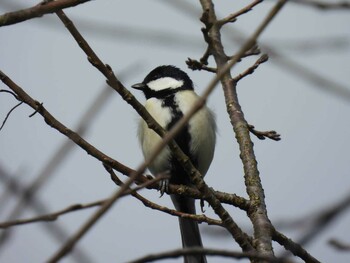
(54, 123)
(232, 17)
(38, 10)
(293, 247)
(262, 59)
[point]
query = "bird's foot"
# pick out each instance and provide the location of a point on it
(164, 183)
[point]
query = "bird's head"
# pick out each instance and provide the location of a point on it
(163, 81)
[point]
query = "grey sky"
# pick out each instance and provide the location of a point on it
(304, 172)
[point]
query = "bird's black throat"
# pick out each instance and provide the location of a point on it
(183, 139)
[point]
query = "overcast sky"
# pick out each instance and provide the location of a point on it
(302, 92)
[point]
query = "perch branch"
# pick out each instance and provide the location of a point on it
(38, 10)
(149, 204)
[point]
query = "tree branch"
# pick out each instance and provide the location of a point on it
(54, 123)
(293, 247)
(258, 213)
(340, 246)
(206, 251)
(51, 216)
(38, 10)
(324, 5)
(232, 17)
(149, 204)
(72, 208)
(262, 59)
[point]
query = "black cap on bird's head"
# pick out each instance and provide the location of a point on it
(163, 81)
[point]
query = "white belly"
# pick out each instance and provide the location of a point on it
(201, 127)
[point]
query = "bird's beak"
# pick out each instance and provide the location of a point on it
(139, 86)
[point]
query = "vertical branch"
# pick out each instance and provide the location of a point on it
(258, 212)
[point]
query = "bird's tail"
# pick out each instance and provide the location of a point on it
(189, 229)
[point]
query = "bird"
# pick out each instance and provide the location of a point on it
(170, 94)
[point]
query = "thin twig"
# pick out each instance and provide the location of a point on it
(51, 216)
(197, 65)
(339, 245)
(262, 135)
(9, 113)
(232, 17)
(262, 59)
(10, 92)
(324, 5)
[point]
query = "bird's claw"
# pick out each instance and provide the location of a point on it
(164, 183)
(163, 186)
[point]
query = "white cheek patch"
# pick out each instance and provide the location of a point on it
(164, 83)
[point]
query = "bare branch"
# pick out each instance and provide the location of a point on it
(58, 233)
(324, 5)
(72, 208)
(52, 216)
(8, 114)
(293, 247)
(233, 17)
(54, 123)
(38, 10)
(341, 246)
(197, 65)
(206, 251)
(263, 58)
(324, 218)
(148, 203)
(258, 215)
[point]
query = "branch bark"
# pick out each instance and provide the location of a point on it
(258, 212)
(38, 10)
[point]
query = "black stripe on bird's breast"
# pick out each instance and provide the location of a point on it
(183, 139)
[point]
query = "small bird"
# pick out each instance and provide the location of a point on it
(170, 95)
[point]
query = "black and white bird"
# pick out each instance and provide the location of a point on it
(170, 94)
